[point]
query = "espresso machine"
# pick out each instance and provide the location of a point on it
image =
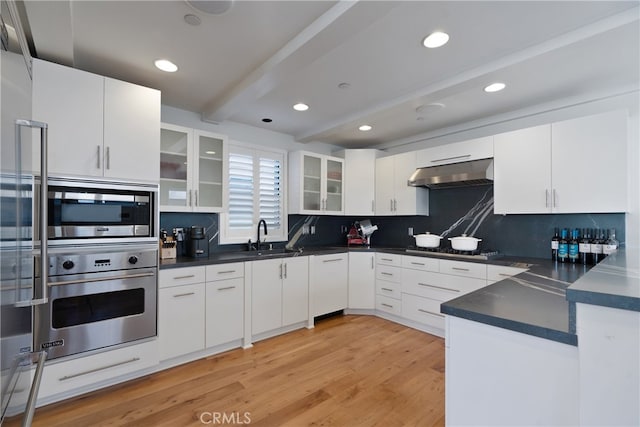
(198, 243)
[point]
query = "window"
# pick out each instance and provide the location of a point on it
(255, 191)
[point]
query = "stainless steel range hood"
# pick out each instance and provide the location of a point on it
(475, 172)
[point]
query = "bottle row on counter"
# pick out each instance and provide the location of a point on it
(586, 246)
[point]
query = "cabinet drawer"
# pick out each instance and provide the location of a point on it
(181, 276)
(389, 289)
(421, 263)
(496, 273)
(85, 371)
(389, 259)
(389, 305)
(441, 287)
(388, 273)
(225, 271)
(461, 268)
(422, 310)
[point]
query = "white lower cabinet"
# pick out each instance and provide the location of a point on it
(389, 284)
(224, 320)
(279, 293)
(427, 284)
(329, 290)
(181, 314)
(97, 370)
(362, 276)
(181, 311)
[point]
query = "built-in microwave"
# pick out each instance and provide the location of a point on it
(87, 210)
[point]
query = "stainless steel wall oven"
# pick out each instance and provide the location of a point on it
(97, 299)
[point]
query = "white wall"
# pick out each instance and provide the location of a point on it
(241, 132)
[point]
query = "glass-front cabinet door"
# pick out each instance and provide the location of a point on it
(312, 183)
(333, 198)
(207, 192)
(191, 170)
(175, 143)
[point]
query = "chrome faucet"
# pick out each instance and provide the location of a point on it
(264, 224)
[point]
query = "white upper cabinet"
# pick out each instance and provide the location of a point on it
(131, 131)
(522, 171)
(192, 170)
(589, 163)
(473, 149)
(98, 127)
(316, 184)
(359, 178)
(573, 166)
(393, 195)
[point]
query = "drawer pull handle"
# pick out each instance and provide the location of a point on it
(439, 287)
(184, 277)
(226, 288)
(226, 272)
(417, 263)
(459, 268)
(384, 273)
(91, 371)
(332, 260)
(184, 295)
(386, 259)
(387, 289)
(430, 312)
(386, 305)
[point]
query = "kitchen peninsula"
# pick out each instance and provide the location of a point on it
(555, 367)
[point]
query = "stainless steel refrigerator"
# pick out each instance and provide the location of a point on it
(22, 161)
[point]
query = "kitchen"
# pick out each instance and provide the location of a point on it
(416, 116)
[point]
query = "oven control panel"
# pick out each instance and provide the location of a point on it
(93, 262)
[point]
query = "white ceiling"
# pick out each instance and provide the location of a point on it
(259, 58)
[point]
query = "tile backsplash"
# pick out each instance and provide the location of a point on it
(452, 212)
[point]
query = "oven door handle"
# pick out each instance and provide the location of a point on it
(101, 279)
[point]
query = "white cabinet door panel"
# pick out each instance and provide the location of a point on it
(362, 280)
(225, 311)
(266, 296)
(522, 171)
(181, 317)
(589, 170)
(385, 185)
(295, 290)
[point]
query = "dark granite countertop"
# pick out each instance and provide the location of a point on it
(615, 282)
(533, 302)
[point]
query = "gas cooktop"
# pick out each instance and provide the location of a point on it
(482, 254)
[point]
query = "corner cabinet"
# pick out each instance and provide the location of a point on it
(192, 170)
(316, 184)
(573, 166)
(98, 126)
(393, 195)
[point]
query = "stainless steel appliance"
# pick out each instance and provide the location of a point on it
(474, 172)
(18, 174)
(91, 211)
(97, 299)
(452, 253)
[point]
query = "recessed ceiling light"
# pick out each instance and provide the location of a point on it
(301, 107)
(166, 65)
(267, 120)
(435, 39)
(210, 152)
(495, 87)
(365, 128)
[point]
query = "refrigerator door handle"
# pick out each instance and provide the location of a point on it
(44, 203)
(35, 387)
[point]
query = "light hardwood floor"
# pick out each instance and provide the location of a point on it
(348, 371)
